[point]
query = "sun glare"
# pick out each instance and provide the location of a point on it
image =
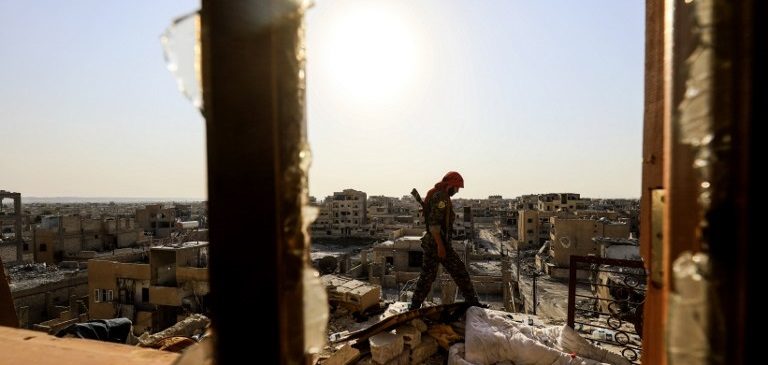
(371, 54)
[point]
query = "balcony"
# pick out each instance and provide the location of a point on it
(612, 316)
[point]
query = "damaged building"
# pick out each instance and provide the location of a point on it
(351, 214)
(560, 202)
(620, 291)
(573, 236)
(13, 247)
(59, 238)
(156, 295)
(343, 214)
(618, 248)
(702, 110)
(47, 295)
(532, 228)
(388, 214)
(396, 264)
(396, 261)
(156, 220)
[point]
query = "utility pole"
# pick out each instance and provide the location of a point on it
(535, 275)
(518, 261)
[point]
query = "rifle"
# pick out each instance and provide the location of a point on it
(421, 202)
(417, 196)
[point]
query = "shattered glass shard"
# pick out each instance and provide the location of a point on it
(181, 48)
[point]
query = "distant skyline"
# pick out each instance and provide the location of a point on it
(521, 97)
(102, 200)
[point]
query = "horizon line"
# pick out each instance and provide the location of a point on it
(139, 198)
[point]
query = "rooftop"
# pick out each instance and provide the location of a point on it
(29, 276)
(180, 246)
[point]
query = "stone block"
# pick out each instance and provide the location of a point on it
(411, 335)
(424, 350)
(419, 324)
(402, 359)
(343, 356)
(385, 346)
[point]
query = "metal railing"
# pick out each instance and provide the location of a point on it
(408, 286)
(612, 316)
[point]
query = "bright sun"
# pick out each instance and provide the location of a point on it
(371, 54)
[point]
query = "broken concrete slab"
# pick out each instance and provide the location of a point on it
(353, 284)
(344, 356)
(355, 294)
(192, 325)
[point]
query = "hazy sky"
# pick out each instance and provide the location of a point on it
(518, 96)
(87, 106)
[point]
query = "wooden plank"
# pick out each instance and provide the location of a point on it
(20, 346)
(682, 215)
(443, 312)
(253, 92)
(735, 229)
(652, 178)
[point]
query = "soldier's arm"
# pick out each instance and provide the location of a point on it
(435, 232)
(438, 209)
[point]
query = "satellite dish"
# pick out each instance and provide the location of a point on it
(565, 242)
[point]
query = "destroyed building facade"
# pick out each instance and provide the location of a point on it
(560, 202)
(156, 220)
(59, 238)
(155, 295)
(12, 244)
(573, 236)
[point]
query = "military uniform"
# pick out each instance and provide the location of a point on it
(438, 211)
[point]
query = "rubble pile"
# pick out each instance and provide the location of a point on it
(481, 336)
(35, 274)
(414, 342)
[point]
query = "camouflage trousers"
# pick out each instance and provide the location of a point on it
(452, 263)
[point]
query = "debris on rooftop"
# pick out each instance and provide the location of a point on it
(354, 295)
(193, 326)
(36, 274)
(453, 334)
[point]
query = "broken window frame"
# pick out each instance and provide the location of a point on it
(262, 123)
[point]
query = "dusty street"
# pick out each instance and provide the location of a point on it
(552, 295)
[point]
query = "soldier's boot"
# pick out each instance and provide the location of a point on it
(481, 305)
(473, 301)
